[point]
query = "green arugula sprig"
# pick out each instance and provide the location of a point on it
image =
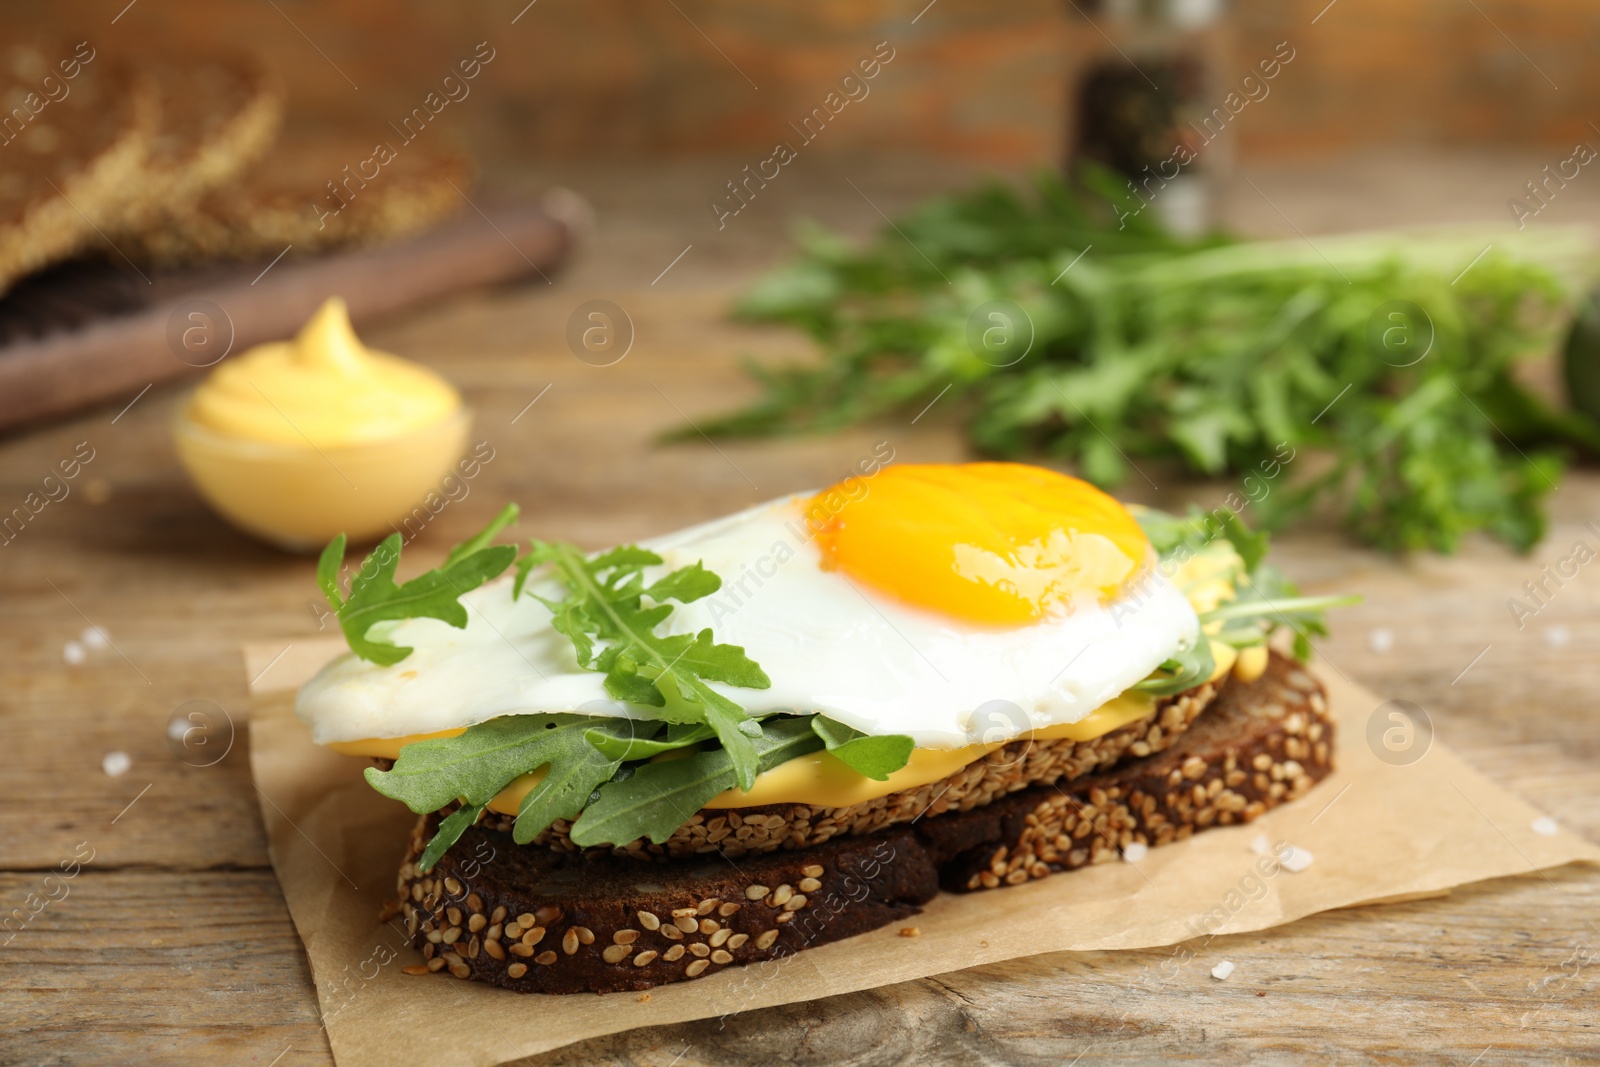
(661, 796)
(613, 631)
(374, 596)
(875, 756)
(1264, 600)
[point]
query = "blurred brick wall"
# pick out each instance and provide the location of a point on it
(969, 78)
(1376, 73)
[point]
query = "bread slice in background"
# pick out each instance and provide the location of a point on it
(308, 191)
(218, 115)
(71, 151)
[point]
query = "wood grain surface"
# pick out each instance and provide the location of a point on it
(172, 944)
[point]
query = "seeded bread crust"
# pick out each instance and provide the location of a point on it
(67, 162)
(218, 114)
(309, 192)
(739, 832)
(539, 920)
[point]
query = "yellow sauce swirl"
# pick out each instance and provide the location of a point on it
(323, 389)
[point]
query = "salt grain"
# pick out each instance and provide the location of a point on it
(1380, 640)
(1135, 851)
(1545, 826)
(1295, 859)
(1558, 637)
(116, 764)
(73, 653)
(1222, 970)
(94, 637)
(1260, 845)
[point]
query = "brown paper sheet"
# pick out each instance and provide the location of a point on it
(1376, 832)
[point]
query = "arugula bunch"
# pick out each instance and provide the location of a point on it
(1264, 599)
(1382, 353)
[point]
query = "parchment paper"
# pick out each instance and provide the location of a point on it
(1375, 832)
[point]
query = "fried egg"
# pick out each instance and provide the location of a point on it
(900, 603)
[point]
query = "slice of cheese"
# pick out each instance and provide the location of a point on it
(388, 747)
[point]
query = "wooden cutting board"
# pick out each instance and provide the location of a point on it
(91, 332)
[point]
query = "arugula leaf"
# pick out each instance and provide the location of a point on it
(660, 797)
(328, 565)
(451, 827)
(1263, 598)
(480, 540)
(374, 596)
(643, 747)
(1185, 670)
(477, 764)
(569, 783)
(1252, 547)
(612, 631)
(1167, 533)
(877, 757)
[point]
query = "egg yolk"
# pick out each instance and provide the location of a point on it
(999, 544)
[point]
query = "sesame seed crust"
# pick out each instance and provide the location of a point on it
(619, 925)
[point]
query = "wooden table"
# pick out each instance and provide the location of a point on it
(173, 943)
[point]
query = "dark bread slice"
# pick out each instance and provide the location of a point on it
(541, 921)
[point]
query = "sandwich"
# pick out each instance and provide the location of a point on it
(800, 722)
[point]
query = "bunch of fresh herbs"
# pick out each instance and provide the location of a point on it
(1067, 323)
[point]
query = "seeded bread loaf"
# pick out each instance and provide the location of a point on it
(540, 920)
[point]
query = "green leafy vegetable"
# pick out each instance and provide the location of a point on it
(660, 797)
(1263, 599)
(877, 757)
(1382, 354)
(477, 764)
(374, 596)
(451, 827)
(1185, 670)
(613, 631)
(644, 746)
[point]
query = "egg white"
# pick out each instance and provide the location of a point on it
(829, 644)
